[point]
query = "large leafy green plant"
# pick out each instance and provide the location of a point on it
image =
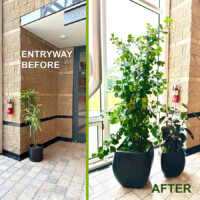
(140, 80)
(173, 132)
(32, 112)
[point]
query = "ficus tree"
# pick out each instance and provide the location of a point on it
(140, 80)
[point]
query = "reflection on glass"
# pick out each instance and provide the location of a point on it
(82, 106)
(94, 104)
(93, 140)
(82, 125)
(48, 10)
(82, 61)
(82, 82)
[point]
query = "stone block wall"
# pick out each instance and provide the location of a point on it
(184, 60)
(55, 87)
(45, 81)
(16, 139)
(194, 81)
(179, 50)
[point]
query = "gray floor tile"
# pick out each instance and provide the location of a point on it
(60, 190)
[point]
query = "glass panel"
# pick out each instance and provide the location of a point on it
(115, 24)
(93, 140)
(82, 82)
(48, 10)
(94, 104)
(82, 61)
(82, 106)
(82, 125)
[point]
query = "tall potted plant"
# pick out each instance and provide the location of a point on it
(140, 80)
(173, 156)
(31, 117)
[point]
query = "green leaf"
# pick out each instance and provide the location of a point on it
(114, 141)
(183, 138)
(101, 156)
(162, 110)
(163, 119)
(190, 133)
(172, 128)
(112, 149)
(160, 26)
(105, 152)
(184, 115)
(105, 143)
(155, 143)
(160, 140)
(94, 155)
(114, 121)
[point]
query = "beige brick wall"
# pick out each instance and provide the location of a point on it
(184, 59)
(14, 79)
(179, 50)
(194, 81)
(55, 87)
(45, 81)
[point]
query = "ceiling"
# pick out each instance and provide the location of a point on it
(52, 27)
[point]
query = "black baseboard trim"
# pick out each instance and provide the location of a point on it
(26, 154)
(65, 139)
(42, 120)
(50, 142)
(15, 156)
(192, 150)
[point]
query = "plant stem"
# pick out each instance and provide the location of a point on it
(35, 139)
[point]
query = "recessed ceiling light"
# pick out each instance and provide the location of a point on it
(63, 37)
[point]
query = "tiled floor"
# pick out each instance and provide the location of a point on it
(103, 184)
(61, 175)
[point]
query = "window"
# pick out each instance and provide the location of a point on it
(95, 104)
(127, 17)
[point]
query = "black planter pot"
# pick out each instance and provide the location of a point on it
(132, 169)
(172, 164)
(36, 154)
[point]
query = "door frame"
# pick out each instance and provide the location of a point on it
(77, 137)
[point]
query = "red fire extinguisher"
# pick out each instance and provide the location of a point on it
(10, 106)
(175, 98)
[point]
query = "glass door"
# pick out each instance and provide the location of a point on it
(79, 99)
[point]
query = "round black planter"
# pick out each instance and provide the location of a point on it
(132, 169)
(36, 154)
(172, 164)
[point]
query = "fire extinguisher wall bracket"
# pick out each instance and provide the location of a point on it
(10, 106)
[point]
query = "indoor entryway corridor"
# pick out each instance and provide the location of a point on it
(60, 176)
(103, 184)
